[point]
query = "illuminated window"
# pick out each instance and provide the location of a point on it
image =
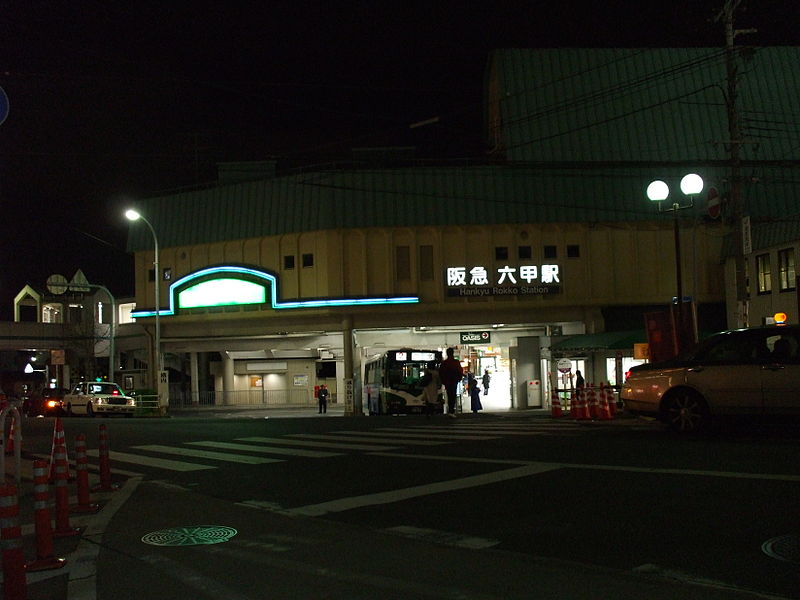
(550, 252)
(426, 263)
(524, 252)
(288, 262)
(403, 262)
(308, 260)
(501, 253)
(764, 274)
(786, 269)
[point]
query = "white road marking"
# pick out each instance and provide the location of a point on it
(380, 438)
(150, 461)
(315, 510)
(443, 537)
(222, 456)
(266, 449)
(284, 441)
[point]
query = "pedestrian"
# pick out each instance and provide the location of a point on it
(486, 379)
(450, 374)
(579, 382)
(474, 396)
(322, 396)
(431, 386)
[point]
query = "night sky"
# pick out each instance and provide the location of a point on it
(111, 101)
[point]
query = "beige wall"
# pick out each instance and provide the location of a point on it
(619, 264)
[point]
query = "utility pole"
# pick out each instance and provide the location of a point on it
(735, 199)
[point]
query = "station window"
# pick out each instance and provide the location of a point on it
(501, 252)
(288, 261)
(573, 251)
(764, 274)
(786, 269)
(308, 260)
(402, 262)
(550, 252)
(524, 252)
(426, 263)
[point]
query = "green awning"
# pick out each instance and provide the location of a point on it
(608, 340)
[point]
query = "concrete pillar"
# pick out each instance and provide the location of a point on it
(194, 375)
(349, 368)
(227, 378)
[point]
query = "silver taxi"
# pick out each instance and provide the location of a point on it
(98, 397)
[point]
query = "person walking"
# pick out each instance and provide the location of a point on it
(450, 373)
(431, 386)
(485, 380)
(322, 396)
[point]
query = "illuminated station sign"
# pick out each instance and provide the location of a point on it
(522, 280)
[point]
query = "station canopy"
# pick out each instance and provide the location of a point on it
(607, 340)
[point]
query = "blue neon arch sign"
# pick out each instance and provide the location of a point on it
(228, 285)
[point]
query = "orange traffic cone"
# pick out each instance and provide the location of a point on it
(581, 409)
(11, 433)
(58, 440)
(612, 402)
(555, 405)
(603, 412)
(592, 402)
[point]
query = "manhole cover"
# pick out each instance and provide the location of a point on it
(785, 547)
(190, 536)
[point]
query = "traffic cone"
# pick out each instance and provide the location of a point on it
(582, 410)
(105, 484)
(10, 444)
(603, 412)
(555, 405)
(45, 557)
(573, 406)
(612, 402)
(14, 580)
(63, 528)
(58, 440)
(81, 465)
(592, 402)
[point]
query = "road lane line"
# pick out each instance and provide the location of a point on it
(223, 456)
(343, 504)
(385, 438)
(284, 441)
(150, 461)
(267, 449)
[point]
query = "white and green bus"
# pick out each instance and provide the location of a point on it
(394, 381)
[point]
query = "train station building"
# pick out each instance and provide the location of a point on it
(273, 281)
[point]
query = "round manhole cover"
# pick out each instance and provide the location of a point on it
(785, 547)
(190, 536)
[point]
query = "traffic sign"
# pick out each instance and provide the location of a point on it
(564, 365)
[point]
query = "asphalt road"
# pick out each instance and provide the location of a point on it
(512, 505)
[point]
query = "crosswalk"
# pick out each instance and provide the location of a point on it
(259, 450)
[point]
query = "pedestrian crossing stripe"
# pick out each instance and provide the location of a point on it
(495, 434)
(222, 456)
(266, 449)
(386, 438)
(326, 436)
(151, 461)
(269, 440)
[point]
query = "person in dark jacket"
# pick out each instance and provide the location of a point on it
(474, 396)
(450, 373)
(322, 396)
(486, 379)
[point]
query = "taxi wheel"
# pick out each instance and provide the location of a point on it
(685, 411)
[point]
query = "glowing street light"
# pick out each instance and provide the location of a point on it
(134, 215)
(658, 191)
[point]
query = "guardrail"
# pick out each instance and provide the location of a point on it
(148, 406)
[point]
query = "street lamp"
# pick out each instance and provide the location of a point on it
(658, 191)
(133, 215)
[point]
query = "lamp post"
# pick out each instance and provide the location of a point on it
(658, 191)
(133, 215)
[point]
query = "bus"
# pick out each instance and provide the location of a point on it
(393, 381)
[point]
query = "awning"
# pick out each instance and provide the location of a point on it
(608, 340)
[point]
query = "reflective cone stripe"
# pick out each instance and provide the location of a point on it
(45, 557)
(555, 405)
(58, 440)
(63, 528)
(82, 476)
(592, 409)
(573, 406)
(582, 411)
(603, 412)
(14, 582)
(12, 433)
(105, 463)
